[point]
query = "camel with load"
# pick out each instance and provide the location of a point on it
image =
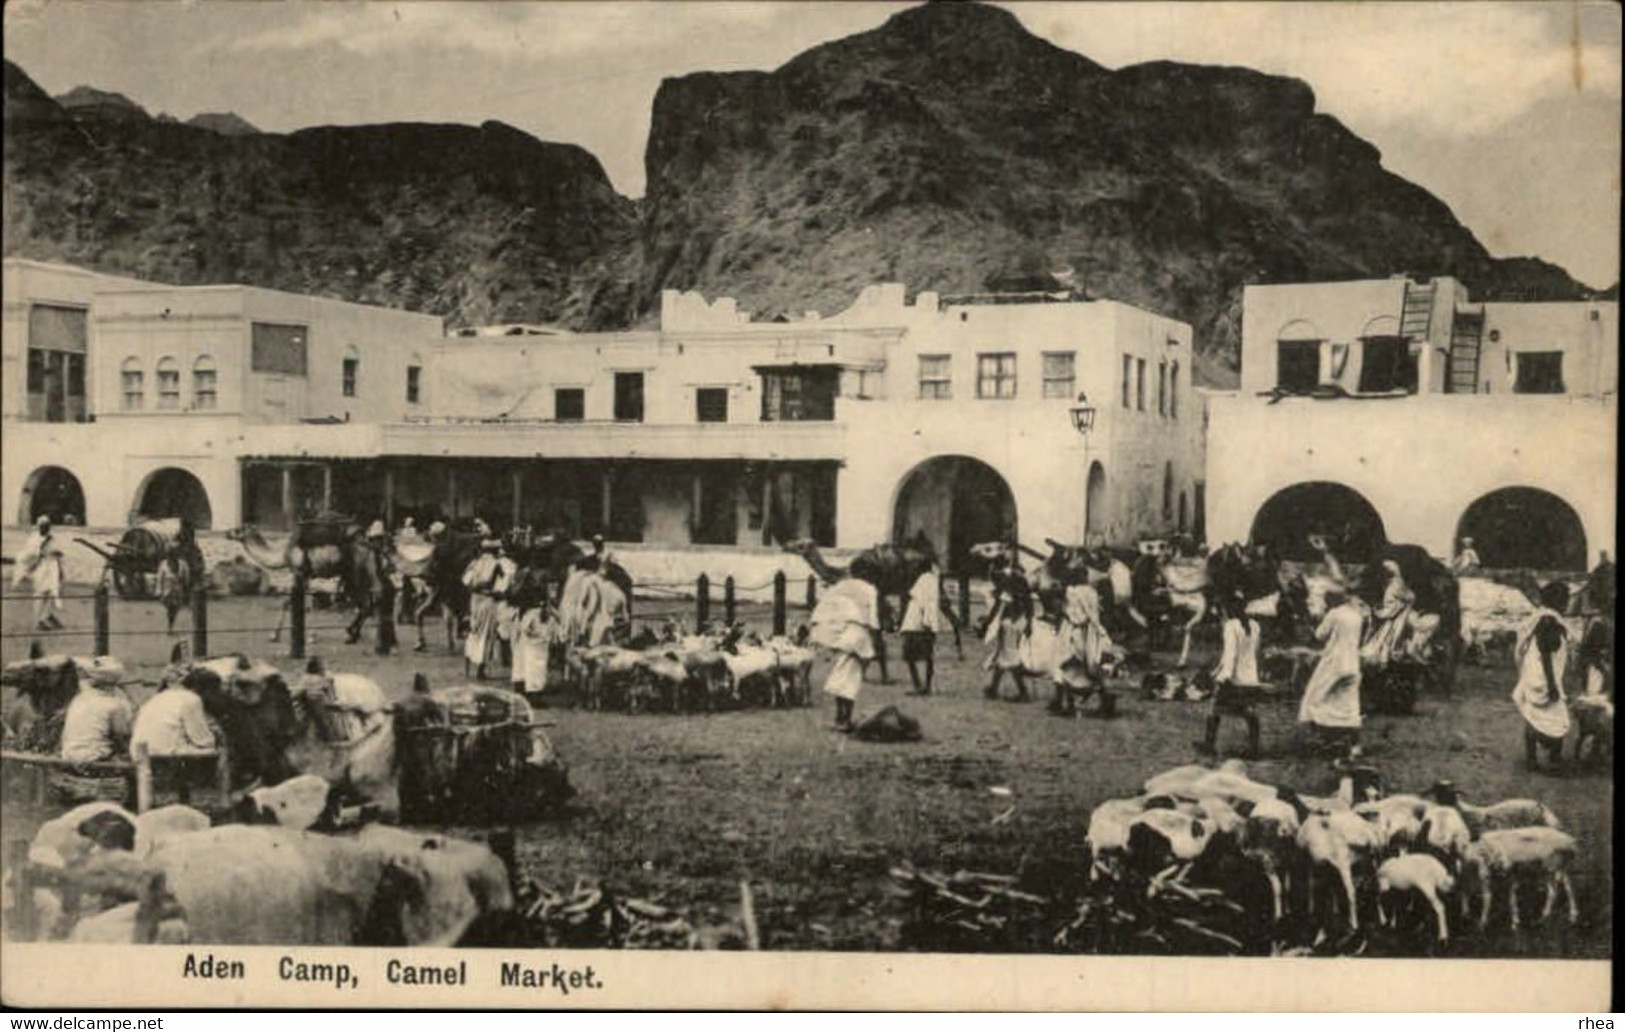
(326, 549)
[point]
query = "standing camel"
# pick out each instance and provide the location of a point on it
(334, 550)
(891, 568)
(434, 576)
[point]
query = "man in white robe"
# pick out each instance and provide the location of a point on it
(1542, 654)
(1331, 701)
(845, 621)
(39, 565)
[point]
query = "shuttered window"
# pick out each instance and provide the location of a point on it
(279, 348)
(205, 384)
(1060, 374)
(169, 384)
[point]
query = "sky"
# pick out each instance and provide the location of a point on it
(1509, 112)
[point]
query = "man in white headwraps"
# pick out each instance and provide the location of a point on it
(39, 564)
(96, 725)
(845, 621)
(1542, 655)
(1392, 617)
(1331, 700)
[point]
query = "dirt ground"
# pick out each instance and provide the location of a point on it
(682, 808)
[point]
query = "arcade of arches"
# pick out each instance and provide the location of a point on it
(956, 502)
(1341, 514)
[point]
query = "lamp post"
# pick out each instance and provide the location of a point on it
(1083, 416)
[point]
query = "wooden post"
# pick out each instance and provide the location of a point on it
(728, 600)
(702, 602)
(964, 600)
(200, 622)
(767, 505)
(143, 777)
(606, 491)
(780, 584)
(327, 489)
(451, 492)
(812, 591)
(518, 477)
(389, 495)
(222, 772)
(103, 617)
(288, 516)
(296, 618)
(26, 917)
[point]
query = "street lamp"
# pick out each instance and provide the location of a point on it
(1083, 415)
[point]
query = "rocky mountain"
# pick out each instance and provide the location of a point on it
(478, 223)
(953, 150)
(226, 123)
(949, 149)
(87, 102)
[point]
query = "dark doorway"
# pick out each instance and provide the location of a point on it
(173, 492)
(629, 397)
(956, 502)
(1525, 528)
(54, 492)
(1341, 514)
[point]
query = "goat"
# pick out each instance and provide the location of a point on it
(1107, 837)
(1323, 845)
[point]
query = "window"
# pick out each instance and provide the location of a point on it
(1060, 375)
(278, 348)
(570, 404)
(1386, 365)
(1162, 388)
(936, 382)
(1128, 377)
(1139, 384)
(1539, 372)
(57, 340)
(169, 384)
(1167, 491)
(414, 381)
(996, 375)
(711, 404)
(204, 383)
(1297, 365)
(1173, 390)
(629, 397)
(799, 394)
(352, 366)
(130, 380)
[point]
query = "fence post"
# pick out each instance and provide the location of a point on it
(702, 601)
(812, 591)
(728, 600)
(296, 618)
(25, 915)
(200, 622)
(964, 600)
(102, 611)
(780, 583)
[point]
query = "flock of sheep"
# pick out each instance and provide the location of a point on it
(714, 670)
(1329, 860)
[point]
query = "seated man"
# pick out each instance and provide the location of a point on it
(96, 725)
(173, 723)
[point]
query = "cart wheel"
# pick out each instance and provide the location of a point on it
(131, 584)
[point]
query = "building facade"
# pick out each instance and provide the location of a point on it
(951, 417)
(1404, 411)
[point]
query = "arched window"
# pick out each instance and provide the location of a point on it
(169, 383)
(130, 380)
(1173, 390)
(352, 369)
(204, 383)
(414, 380)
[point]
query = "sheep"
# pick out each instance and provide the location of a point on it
(1181, 781)
(1505, 815)
(1400, 819)
(300, 803)
(1107, 837)
(155, 825)
(1500, 853)
(1268, 833)
(1445, 835)
(1324, 845)
(794, 671)
(1159, 836)
(1418, 873)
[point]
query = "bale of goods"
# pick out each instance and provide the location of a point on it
(479, 758)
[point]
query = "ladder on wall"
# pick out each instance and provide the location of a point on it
(1466, 338)
(1416, 316)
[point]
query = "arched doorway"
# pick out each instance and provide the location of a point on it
(52, 491)
(1094, 506)
(1524, 528)
(1341, 514)
(172, 492)
(956, 502)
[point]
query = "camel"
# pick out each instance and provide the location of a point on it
(433, 575)
(891, 568)
(327, 550)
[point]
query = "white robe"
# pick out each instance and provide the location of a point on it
(1082, 641)
(1332, 697)
(479, 578)
(844, 622)
(1545, 711)
(533, 645)
(1238, 662)
(924, 611)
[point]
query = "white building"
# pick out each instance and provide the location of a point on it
(949, 416)
(1399, 410)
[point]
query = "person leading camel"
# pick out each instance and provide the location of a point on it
(1542, 657)
(845, 622)
(1009, 622)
